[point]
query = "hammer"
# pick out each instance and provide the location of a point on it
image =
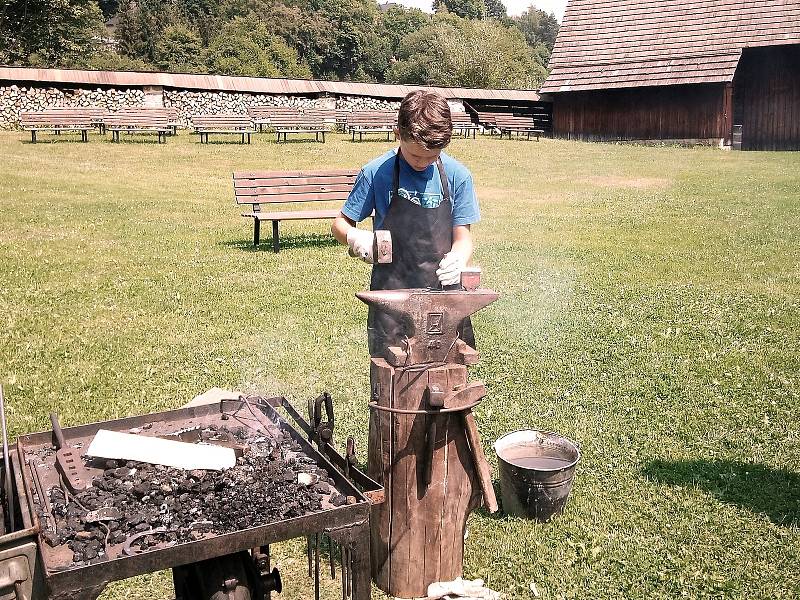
(381, 248)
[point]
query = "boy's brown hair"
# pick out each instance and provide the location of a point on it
(424, 118)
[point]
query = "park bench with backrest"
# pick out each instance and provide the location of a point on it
(288, 189)
(326, 116)
(371, 122)
(261, 115)
(341, 118)
(520, 125)
(56, 121)
(299, 124)
(231, 124)
(489, 120)
(141, 120)
(463, 124)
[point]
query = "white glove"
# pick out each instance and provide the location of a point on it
(449, 271)
(461, 588)
(360, 242)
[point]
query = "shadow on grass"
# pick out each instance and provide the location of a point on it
(760, 489)
(288, 242)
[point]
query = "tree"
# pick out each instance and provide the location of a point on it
(246, 47)
(179, 50)
(495, 9)
(48, 33)
(538, 27)
(400, 22)
(467, 53)
(467, 9)
(140, 25)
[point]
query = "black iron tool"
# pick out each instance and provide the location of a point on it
(69, 461)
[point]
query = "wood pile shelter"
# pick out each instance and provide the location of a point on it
(720, 71)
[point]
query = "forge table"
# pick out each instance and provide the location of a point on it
(348, 524)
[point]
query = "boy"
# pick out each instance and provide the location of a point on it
(425, 199)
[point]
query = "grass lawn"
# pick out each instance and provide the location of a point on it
(650, 310)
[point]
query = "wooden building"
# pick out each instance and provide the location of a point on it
(718, 71)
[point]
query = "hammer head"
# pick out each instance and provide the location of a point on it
(433, 317)
(381, 252)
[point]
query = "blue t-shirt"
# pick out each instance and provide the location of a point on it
(373, 189)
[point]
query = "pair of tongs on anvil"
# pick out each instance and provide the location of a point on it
(69, 461)
(461, 399)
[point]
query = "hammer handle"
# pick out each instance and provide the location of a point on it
(481, 464)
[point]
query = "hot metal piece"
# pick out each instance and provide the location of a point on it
(432, 318)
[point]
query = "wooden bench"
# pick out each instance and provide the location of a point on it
(462, 123)
(261, 115)
(370, 122)
(325, 116)
(520, 125)
(283, 125)
(225, 123)
(341, 119)
(56, 121)
(489, 120)
(142, 120)
(276, 188)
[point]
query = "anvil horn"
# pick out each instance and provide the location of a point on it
(399, 302)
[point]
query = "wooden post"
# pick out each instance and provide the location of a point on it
(418, 533)
(727, 115)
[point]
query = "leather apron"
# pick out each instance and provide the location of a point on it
(420, 239)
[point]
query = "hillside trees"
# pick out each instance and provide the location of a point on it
(466, 9)
(466, 42)
(467, 53)
(57, 33)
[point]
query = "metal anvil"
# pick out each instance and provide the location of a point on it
(431, 319)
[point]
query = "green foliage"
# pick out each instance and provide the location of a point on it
(248, 48)
(179, 50)
(467, 53)
(399, 22)
(49, 32)
(467, 9)
(538, 27)
(495, 9)
(324, 39)
(140, 25)
(108, 60)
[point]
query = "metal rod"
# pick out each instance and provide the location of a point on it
(7, 464)
(330, 557)
(349, 573)
(316, 566)
(344, 574)
(308, 555)
(44, 501)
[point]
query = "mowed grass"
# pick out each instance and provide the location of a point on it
(649, 311)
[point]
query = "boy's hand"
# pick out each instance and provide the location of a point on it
(449, 271)
(360, 242)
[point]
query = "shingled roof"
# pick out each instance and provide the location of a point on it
(606, 44)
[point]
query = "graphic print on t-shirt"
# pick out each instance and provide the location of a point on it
(423, 199)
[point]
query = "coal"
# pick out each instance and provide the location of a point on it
(261, 488)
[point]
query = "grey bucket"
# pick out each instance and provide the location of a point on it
(536, 472)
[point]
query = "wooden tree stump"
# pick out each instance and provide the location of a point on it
(417, 535)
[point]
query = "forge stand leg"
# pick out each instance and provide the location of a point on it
(359, 564)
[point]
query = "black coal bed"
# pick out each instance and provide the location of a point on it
(139, 517)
